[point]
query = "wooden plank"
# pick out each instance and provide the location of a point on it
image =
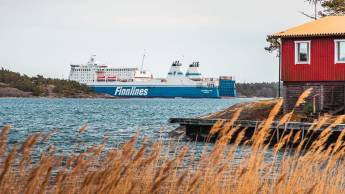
(331, 95)
(253, 124)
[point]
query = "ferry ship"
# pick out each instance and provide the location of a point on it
(133, 82)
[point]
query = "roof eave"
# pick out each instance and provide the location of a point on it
(305, 35)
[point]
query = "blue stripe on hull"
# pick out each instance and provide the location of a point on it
(157, 92)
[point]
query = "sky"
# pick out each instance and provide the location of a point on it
(227, 37)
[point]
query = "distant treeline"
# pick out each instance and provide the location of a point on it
(265, 89)
(39, 85)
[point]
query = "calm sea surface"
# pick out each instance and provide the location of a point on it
(115, 119)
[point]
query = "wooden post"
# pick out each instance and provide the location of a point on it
(314, 104)
(256, 126)
(279, 89)
(332, 95)
(321, 97)
(302, 133)
(285, 127)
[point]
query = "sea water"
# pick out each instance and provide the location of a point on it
(113, 119)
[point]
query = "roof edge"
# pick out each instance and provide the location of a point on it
(305, 35)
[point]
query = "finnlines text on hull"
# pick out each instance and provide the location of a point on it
(133, 91)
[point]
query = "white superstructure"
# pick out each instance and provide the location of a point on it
(95, 72)
(193, 72)
(175, 70)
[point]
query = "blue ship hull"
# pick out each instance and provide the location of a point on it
(129, 91)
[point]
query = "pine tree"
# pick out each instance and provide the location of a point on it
(328, 8)
(332, 7)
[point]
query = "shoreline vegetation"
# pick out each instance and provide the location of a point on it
(157, 166)
(13, 84)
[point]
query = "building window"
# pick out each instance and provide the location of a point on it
(339, 51)
(302, 52)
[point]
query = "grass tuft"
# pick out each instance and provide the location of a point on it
(170, 168)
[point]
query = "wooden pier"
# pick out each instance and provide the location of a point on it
(198, 129)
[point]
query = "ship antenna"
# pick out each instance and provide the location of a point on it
(142, 61)
(92, 59)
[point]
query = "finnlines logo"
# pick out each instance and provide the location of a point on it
(132, 91)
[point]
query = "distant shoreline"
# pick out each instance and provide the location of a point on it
(11, 92)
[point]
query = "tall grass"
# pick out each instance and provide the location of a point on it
(172, 168)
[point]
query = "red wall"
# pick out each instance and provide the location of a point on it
(321, 67)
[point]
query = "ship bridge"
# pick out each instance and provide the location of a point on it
(175, 70)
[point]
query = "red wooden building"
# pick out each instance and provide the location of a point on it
(313, 55)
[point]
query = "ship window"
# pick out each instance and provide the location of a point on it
(302, 52)
(339, 51)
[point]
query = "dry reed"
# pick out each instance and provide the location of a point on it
(162, 168)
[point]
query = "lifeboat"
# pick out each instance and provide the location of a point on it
(100, 78)
(111, 78)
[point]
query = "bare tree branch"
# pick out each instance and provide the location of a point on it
(309, 16)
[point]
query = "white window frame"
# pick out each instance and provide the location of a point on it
(336, 61)
(296, 51)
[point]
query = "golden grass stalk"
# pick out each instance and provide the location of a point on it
(263, 133)
(170, 168)
(303, 96)
(3, 138)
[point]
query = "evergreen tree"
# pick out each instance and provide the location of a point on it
(329, 8)
(38, 85)
(332, 7)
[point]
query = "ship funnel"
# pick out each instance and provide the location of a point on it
(194, 64)
(175, 69)
(193, 71)
(176, 64)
